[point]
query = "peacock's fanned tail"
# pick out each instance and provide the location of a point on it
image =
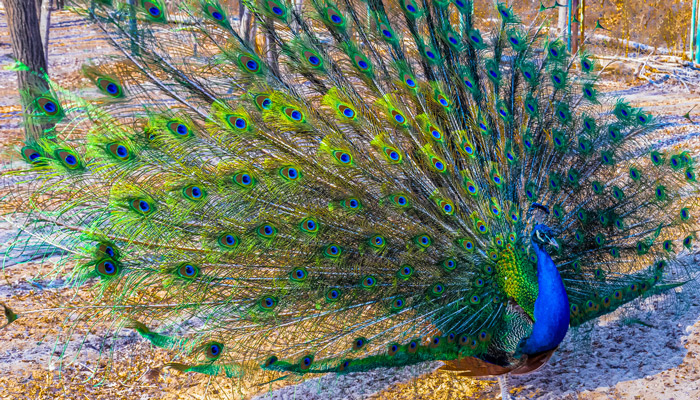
(354, 196)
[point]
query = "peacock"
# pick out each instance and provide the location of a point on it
(381, 184)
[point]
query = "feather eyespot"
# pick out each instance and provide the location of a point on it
(142, 206)
(359, 343)
(107, 268)
(398, 117)
(449, 264)
(267, 231)
(334, 16)
(368, 282)
(309, 225)
(333, 295)
(48, 106)
(290, 173)
(342, 157)
(215, 13)
(298, 275)
(398, 304)
(154, 10)
(409, 80)
(268, 303)
(466, 244)
(410, 6)
(194, 193)
(435, 134)
(313, 59)
(244, 180)
(270, 361)
(293, 114)
(31, 156)
(362, 63)
(177, 128)
(263, 102)
(437, 289)
(110, 87)
(438, 164)
(423, 241)
(213, 350)
(68, 158)
(412, 346)
(229, 241)
(306, 362)
(446, 206)
(333, 251)
(188, 271)
(400, 200)
(393, 349)
(377, 241)
(108, 250)
(237, 122)
(347, 112)
(277, 9)
(393, 156)
(405, 272)
(119, 151)
(352, 203)
(387, 32)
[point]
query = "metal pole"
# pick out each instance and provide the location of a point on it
(697, 43)
(692, 28)
(568, 36)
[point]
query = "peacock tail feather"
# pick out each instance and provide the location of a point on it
(364, 200)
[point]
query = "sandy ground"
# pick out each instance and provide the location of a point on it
(652, 352)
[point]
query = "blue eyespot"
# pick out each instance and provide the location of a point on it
(143, 206)
(109, 267)
(112, 88)
(277, 10)
(336, 19)
(362, 64)
(387, 33)
(154, 11)
(240, 123)
(217, 15)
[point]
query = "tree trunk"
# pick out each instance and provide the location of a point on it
(561, 21)
(28, 49)
(575, 17)
(44, 27)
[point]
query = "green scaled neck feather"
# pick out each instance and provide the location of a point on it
(364, 198)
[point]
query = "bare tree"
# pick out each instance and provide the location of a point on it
(28, 49)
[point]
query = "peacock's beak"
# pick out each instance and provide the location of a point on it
(553, 242)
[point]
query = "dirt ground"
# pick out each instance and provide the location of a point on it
(655, 355)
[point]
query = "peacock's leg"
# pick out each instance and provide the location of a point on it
(503, 383)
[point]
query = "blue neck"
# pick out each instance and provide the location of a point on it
(551, 307)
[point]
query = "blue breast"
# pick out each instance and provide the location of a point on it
(551, 307)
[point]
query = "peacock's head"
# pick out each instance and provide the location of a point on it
(543, 235)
